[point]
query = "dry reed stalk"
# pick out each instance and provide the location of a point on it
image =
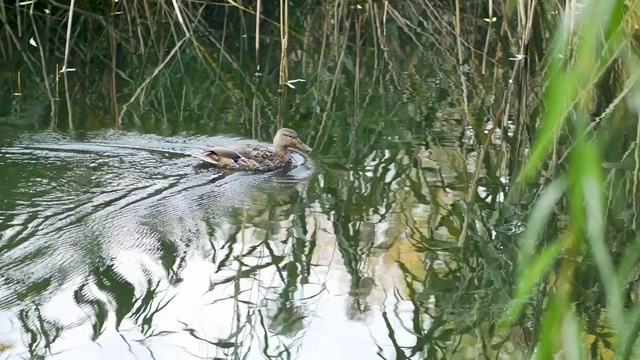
(113, 92)
(11, 37)
(334, 82)
(254, 106)
(68, 98)
(376, 57)
(257, 42)
(68, 38)
(465, 224)
(284, 34)
(525, 18)
(18, 19)
(356, 84)
(19, 89)
(323, 46)
(284, 60)
(488, 36)
(150, 77)
(183, 24)
(42, 63)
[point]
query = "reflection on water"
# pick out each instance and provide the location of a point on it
(110, 249)
(115, 228)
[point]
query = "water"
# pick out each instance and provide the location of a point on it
(116, 243)
(113, 249)
(81, 218)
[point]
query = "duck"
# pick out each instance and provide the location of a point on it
(256, 158)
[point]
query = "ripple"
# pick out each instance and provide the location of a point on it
(89, 218)
(71, 202)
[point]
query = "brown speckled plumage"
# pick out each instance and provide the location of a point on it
(256, 157)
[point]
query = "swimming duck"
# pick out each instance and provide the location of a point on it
(256, 157)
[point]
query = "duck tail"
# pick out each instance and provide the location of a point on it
(212, 158)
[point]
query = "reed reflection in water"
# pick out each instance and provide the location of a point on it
(113, 250)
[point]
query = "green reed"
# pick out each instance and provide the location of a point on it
(590, 42)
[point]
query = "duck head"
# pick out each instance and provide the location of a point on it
(287, 138)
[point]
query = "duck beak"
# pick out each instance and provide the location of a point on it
(302, 146)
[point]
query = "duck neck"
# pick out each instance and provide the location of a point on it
(281, 151)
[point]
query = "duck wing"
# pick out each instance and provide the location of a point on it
(236, 152)
(247, 157)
